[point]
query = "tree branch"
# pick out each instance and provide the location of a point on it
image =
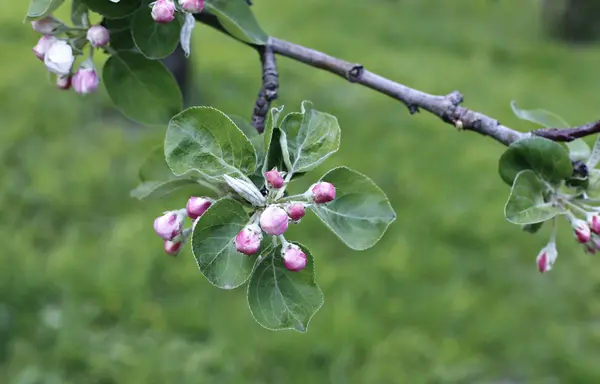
(448, 108)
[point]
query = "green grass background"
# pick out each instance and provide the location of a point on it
(450, 295)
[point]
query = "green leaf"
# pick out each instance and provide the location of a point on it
(237, 18)
(593, 189)
(547, 159)
(39, 9)
(120, 34)
(533, 228)
(280, 299)
(143, 90)
(114, 10)
(158, 189)
(78, 12)
(252, 134)
(214, 247)
(270, 125)
(526, 203)
(154, 40)
(313, 140)
(360, 213)
(594, 158)
(206, 140)
(578, 149)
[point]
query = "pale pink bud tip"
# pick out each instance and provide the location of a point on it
(248, 240)
(296, 211)
(196, 206)
(98, 36)
(546, 258)
(293, 258)
(323, 192)
(46, 25)
(163, 11)
(274, 220)
(192, 6)
(168, 226)
(59, 58)
(172, 248)
(85, 81)
(43, 45)
(63, 82)
(594, 222)
(582, 231)
(274, 178)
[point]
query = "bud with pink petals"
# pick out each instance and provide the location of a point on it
(594, 223)
(582, 231)
(63, 82)
(163, 11)
(293, 258)
(85, 80)
(296, 211)
(322, 192)
(46, 25)
(169, 225)
(196, 206)
(274, 178)
(192, 6)
(43, 45)
(248, 240)
(173, 247)
(59, 58)
(98, 36)
(546, 258)
(274, 220)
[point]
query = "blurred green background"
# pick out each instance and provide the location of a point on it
(450, 295)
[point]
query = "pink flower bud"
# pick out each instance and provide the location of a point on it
(582, 231)
(43, 45)
(274, 220)
(46, 25)
(163, 11)
(63, 82)
(59, 58)
(85, 80)
(293, 258)
(168, 226)
(248, 240)
(296, 211)
(547, 257)
(323, 192)
(594, 223)
(192, 6)
(274, 178)
(173, 247)
(196, 206)
(98, 36)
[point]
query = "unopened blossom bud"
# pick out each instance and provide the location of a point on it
(173, 247)
(63, 82)
(274, 178)
(43, 45)
(293, 258)
(192, 6)
(323, 192)
(296, 211)
(196, 206)
(59, 58)
(274, 220)
(594, 223)
(169, 225)
(582, 231)
(547, 257)
(85, 80)
(46, 25)
(98, 36)
(163, 11)
(248, 240)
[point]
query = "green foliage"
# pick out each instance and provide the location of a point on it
(41, 8)
(154, 40)
(237, 18)
(112, 10)
(141, 89)
(527, 203)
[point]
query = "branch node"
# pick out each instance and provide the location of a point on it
(412, 109)
(355, 73)
(269, 88)
(455, 98)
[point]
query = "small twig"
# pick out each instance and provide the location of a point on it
(269, 87)
(568, 134)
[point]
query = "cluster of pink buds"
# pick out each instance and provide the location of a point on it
(274, 219)
(58, 56)
(170, 226)
(163, 11)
